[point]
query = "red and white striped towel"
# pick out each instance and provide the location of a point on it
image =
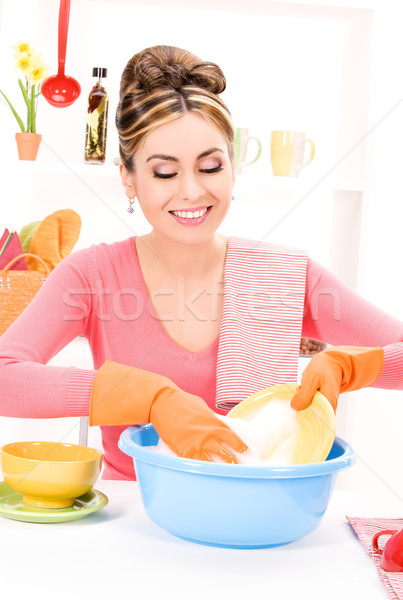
(365, 530)
(260, 334)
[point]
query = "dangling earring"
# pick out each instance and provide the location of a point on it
(131, 202)
(233, 198)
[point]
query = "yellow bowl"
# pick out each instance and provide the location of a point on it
(50, 474)
(316, 423)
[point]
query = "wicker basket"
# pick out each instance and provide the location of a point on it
(17, 288)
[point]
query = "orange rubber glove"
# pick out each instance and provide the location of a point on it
(123, 395)
(338, 369)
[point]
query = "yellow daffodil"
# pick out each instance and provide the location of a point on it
(22, 47)
(38, 71)
(24, 63)
(34, 71)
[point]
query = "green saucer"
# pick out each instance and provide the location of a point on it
(12, 507)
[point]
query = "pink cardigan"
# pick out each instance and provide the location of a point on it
(100, 292)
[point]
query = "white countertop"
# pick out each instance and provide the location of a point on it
(119, 551)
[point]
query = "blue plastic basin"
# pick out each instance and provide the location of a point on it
(235, 506)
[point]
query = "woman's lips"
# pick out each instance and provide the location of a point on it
(191, 217)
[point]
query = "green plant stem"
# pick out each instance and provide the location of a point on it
(32, 111)
(29, 116)
(16, 115)
(28, 104)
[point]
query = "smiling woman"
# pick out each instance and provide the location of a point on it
(184, 322)
(190, 186)
(176, 145)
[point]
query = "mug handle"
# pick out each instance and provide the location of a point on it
(312, 154)
(378, 535)
(259, 148)
(259, 152)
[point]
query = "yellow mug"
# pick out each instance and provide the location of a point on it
(287, 152)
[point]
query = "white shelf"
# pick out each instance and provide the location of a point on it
(305, 181)
(299, 185)
(107, 169)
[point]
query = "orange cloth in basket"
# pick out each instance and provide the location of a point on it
(53, 238)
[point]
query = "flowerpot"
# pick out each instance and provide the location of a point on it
(28, 145)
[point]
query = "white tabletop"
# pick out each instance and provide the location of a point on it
(120, 551)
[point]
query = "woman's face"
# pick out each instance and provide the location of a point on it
(183, 179)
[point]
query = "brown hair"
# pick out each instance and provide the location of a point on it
(161, 84)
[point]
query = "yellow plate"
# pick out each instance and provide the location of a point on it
(317, 422)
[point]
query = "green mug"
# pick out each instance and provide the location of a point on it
(241, 143)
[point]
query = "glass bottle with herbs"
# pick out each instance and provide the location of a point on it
(97, 120)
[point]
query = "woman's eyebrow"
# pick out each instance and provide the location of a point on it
(208, 152)
(174, 159)
(162, 157)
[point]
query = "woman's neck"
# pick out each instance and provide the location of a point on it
(177, 259)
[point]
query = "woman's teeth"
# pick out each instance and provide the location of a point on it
(187, 214)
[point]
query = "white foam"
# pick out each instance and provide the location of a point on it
(271, 434)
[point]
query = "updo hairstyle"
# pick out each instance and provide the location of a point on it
(161, 84)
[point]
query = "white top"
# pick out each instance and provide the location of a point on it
(119, 552)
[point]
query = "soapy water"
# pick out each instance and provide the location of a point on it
(270, 432)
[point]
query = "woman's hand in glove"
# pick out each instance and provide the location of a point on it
(338, 369)
(123, 395)
(191, 429)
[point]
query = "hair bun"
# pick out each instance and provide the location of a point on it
(209, 76)
(153, 76)
(168, 67)
(163, 83)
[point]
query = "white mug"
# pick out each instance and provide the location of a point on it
(241, 143)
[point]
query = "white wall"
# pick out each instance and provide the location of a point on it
(335, 75)
(281, 74)
(379, 414)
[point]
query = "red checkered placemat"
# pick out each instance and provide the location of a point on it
(365, 530)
